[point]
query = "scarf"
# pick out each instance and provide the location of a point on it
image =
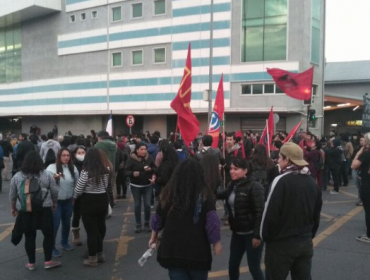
(296, 169)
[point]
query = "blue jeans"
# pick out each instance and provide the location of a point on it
(177, 273)
(239, 245)
(145, 194)
(357, 182)
(63, 214)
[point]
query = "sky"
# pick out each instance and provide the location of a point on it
(347, 30)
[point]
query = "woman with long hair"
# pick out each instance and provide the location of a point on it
(140, 168)
(78, 160)
(27, 223)
(262, 167)
(66, 176)
(187, 214)
(211, 168)
(92, 188)
(245, 201)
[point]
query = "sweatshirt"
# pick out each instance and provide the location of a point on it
(67, 184)
(109, 147)
(50, 144)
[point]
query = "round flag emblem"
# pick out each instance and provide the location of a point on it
(215, 122)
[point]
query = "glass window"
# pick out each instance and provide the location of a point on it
(246, 89)
(10, 54)
(116, 59)
(315, 31)
(257, 89)
(83, 16)
(278, 90)
(116, 14)
(264, 28)
(160, 55)
(94, 14)
(137, 10)
(137, 57)
(269, 88)
(72, 18)
(159, 7)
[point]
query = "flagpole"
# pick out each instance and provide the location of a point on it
(268, 138)
(210, 64)
(176, 129)
(223, 147)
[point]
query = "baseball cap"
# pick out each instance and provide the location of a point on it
(294, 153)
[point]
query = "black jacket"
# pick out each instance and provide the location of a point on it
(24, 147)
(7, 147)
(164, 173)
(135, 163)
(293, 208)
(333, 158)
(248, 205)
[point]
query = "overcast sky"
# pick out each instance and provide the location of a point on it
(347, 30)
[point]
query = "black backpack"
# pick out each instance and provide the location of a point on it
(261, 176)
(33, 200)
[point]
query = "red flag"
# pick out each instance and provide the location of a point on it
(240, 134)
(292, 132)
(266, 137)
(186, 120)
(295, 85)
(217, 114)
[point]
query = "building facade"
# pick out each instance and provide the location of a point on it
(71, 63)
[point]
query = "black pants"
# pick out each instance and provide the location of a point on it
(336, 179)
(94, 208)
(121, 182)
(284, 256)
(76, 213)
(365, 197)
(343, 174)
(46, 225)
(1, 180)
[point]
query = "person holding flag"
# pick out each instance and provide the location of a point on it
(266, 137)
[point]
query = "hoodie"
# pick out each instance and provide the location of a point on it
(67, 184)
(110, 148)
(153, 150)
(50, 144)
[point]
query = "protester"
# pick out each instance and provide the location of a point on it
(92, 187)
(49, 144)
(66, 176)
(207, 148)
(334, 159)
(7, 150)
(23, 148)
(153, 146)
(187, 214)
(362, 163)
(78, 161)
(211, 168)
(356, 172)
(291, 218)
(245, 199)
(140, 168)
(178, 146)
(27, 223)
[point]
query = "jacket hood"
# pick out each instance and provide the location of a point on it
(109, 145)
(50, 143)
(152, 148)
(135, 157)
(233, 148)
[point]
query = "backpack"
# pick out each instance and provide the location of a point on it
(261, 176)
(319, 164)
(30, 195)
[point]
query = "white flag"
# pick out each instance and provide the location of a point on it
(109, 128)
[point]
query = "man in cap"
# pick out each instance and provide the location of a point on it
(291, 217)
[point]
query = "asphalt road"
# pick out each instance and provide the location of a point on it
(337, 253)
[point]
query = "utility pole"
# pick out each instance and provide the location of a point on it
(210, 64)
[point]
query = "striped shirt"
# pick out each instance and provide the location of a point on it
(88, 185)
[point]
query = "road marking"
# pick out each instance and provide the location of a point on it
(221, 273)
(6, 233)
(6, 225)
(341, 201)
(326, 216)
(348, 194)
(334, 227)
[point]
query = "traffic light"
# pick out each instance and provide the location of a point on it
(312, 115)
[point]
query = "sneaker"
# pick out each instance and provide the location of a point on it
(334, 192)
(67, 247)
(138, 229)
(147, 228)
(363, 238)
(52, 264)
(56, 253)
(30, 266)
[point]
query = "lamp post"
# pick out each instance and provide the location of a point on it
(210, 64)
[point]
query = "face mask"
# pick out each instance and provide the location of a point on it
(80, 157)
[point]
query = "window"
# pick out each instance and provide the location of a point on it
(10, 54)
(116, 59)
(83, 16)
(257, 89)
(94, 14)
(72, 18)
(264, 30)
(315, 31)
(137, 57)
(137, 10)
(160, 55)
(116, 14)
(159, 7)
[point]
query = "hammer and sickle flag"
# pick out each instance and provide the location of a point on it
(186, 120)
(295, 85)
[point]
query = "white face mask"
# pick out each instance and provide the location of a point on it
(80, 157)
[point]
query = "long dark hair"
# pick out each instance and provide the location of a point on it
(94, 165)
(32, 164)
(59, 163)
(170, 155)
(210, 164)
(259, 156)
(186, 184)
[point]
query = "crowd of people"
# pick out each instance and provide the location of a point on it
(271, 197)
